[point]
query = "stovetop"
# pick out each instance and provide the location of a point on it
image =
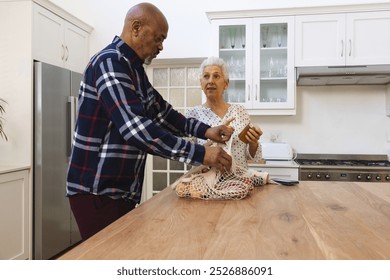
(328, 162)
(318, 160)
(364, 168)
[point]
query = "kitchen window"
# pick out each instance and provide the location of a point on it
(177, 80)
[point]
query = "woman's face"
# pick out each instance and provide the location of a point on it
(213, 82)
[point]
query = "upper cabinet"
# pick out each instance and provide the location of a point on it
(58, 42)
(359, 38)
(260, 55)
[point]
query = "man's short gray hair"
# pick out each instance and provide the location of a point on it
(215, 61)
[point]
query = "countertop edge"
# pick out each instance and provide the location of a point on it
(13, 168)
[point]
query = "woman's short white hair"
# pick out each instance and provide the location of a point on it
(215, 61)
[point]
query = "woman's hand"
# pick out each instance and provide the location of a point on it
(253, 134)
(253, 137)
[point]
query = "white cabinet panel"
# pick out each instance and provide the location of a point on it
(14, 215)
(278, 169)
(76, 47)
(320, 40)
(342, 39)
(368, 38)
(58, 42)
(282, 173)
(48, 37)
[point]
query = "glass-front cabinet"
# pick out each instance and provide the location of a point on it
(260, 56)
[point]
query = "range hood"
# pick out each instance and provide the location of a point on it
(343, 75)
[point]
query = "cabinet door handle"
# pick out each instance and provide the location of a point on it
(67, 53)
(63, 52)
(342, 48)
(350, 47)
(257, 97)
(249, 92)
(72, 122)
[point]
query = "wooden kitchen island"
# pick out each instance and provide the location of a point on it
(312, 220)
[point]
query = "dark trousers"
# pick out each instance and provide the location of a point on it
(95, 212)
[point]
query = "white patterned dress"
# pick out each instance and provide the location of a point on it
(240, 150)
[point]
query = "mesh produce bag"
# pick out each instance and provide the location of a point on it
(208, 183)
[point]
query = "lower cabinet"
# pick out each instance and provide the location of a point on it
(14, 215)
(278, 169)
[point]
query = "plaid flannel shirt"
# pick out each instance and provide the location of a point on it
(122, 118)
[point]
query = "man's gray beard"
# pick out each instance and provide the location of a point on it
(148, 60)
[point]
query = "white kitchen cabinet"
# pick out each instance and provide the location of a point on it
(342, 39)
(14, 215)
(260, 55)
(282, 169)
(58, 42)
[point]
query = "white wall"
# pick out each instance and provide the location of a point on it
(189, 29)
(333, 119)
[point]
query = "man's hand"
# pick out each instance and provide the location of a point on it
(221, 133)
(217, 157)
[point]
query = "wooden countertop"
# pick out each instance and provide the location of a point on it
(312, 220)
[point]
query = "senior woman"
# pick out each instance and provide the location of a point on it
(214, 80)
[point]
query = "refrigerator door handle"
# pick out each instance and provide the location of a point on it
(72, 121)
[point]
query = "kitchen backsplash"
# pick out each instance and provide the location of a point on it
(333, 119)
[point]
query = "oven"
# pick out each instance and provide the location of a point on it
(339, 167)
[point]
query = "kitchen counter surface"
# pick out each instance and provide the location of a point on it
(312, 220)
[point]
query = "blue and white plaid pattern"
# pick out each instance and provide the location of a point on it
(122, 118)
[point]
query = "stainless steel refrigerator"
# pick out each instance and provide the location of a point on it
(55, 104)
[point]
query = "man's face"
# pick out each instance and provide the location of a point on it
(152, 38)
